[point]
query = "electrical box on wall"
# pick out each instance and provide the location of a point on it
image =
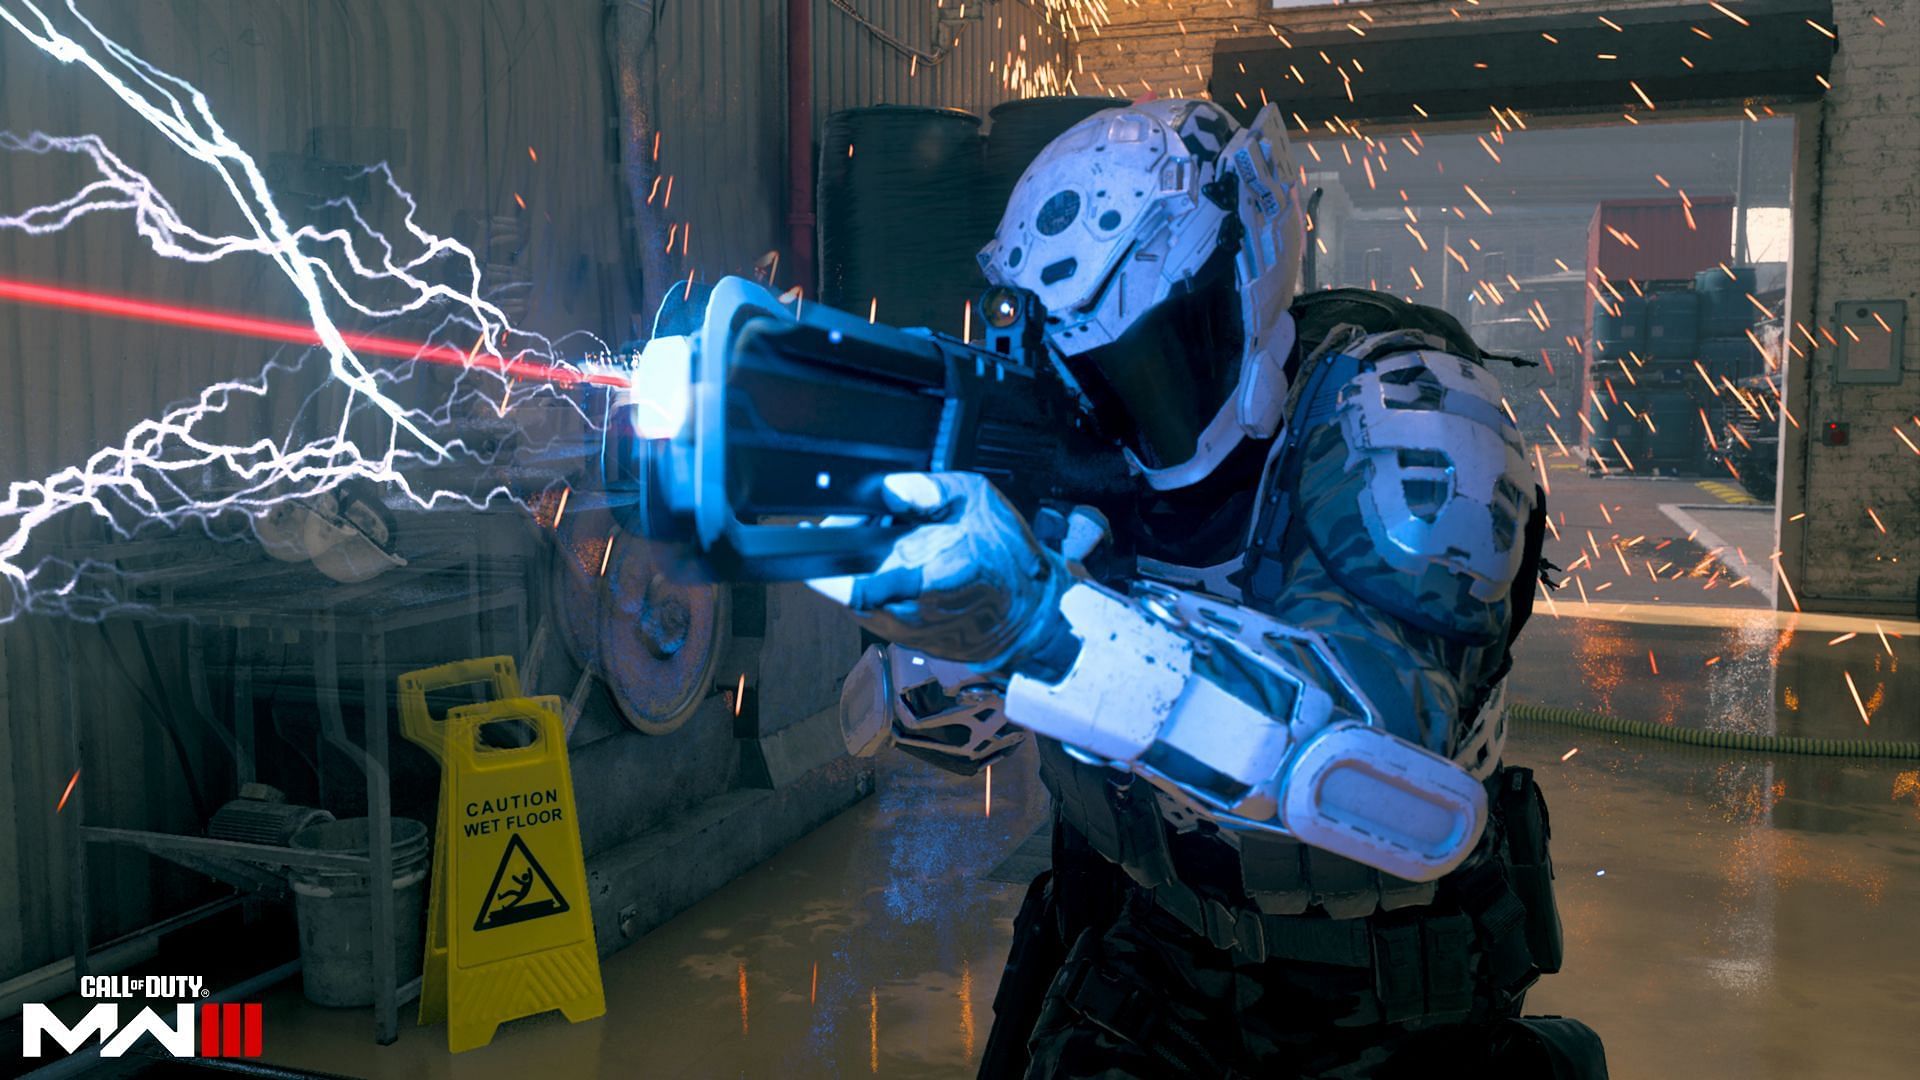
(1872, 341)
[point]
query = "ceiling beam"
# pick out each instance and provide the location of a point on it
(1399, 75)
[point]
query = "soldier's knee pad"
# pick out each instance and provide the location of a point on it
(1548, 1048)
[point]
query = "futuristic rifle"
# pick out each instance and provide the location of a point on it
(737, 434)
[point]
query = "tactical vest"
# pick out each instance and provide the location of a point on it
(1120, 817)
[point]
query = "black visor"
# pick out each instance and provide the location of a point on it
(1158, 386)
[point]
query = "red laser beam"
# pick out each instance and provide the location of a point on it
(120, 307)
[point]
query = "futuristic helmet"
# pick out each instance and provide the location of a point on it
(1163, 241)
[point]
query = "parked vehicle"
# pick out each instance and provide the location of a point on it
(1746, 436)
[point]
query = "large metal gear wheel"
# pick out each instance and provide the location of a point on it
(574, 585)
(655, 642)
(660, 640)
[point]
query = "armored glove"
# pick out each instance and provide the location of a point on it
(970, 584)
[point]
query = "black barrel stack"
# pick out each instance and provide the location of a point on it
(908, 196)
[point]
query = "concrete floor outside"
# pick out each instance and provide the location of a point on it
(1727, 914)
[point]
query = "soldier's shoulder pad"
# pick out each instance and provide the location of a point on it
(1416, 491)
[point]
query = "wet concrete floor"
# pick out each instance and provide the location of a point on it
(1641, 539)
(1727, 914)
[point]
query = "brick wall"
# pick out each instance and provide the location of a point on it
(1867, 247)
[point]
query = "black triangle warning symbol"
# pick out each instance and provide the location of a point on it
(529, 892)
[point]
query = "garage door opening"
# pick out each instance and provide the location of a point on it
(1637, 273)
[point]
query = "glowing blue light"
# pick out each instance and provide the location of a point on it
(822, 481)
(834, 336)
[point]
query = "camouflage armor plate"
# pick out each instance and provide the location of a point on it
(1159, 946)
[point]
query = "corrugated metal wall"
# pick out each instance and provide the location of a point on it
(721, 96)
(853, 67)
(452, 93)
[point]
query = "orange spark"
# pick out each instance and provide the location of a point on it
(62, 804)
(743, 998)
(1782, 571)
(1857, 703)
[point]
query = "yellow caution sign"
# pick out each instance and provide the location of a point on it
(421, 727)
(511, 932)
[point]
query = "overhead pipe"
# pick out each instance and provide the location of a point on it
(630, 39)
(800, 213)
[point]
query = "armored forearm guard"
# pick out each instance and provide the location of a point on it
(1254, 723)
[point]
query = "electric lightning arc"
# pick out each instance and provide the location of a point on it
(173, 470)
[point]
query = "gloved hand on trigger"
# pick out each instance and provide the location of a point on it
(970, 584)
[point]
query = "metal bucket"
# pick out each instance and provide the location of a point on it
(336, 925)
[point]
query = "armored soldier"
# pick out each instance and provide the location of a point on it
(1266, 690)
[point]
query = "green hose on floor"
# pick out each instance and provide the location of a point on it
(1530, 713)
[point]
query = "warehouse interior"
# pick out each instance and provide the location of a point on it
(1692, 226)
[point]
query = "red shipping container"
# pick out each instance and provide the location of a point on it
(1664, 245)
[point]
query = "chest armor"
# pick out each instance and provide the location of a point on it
(1161, 842)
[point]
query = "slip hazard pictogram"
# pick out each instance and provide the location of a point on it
(521, 890)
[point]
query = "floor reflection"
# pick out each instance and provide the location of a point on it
(1727, 914)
